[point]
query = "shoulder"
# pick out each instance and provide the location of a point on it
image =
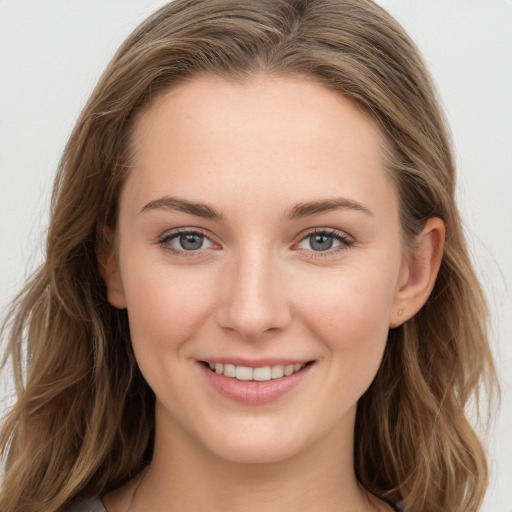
(91, 505)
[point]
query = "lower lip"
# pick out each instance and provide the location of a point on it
(254, 392)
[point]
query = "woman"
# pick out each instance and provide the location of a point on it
(257, 293)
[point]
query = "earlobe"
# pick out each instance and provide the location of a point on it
(419, 272)
(109, 269)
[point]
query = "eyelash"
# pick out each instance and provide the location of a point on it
(342, 238)
(164, 242)
(339, 236)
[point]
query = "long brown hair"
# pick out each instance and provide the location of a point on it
(84, 419)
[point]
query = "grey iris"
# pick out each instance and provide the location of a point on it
(321, 242)
(191, 241)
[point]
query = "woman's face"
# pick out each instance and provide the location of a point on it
(257, 231)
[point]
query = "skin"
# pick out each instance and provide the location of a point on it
(256, 288)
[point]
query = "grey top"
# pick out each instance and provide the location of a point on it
(92, 505)
(95, 505)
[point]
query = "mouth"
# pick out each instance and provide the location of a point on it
(255, 383)
(257, 374)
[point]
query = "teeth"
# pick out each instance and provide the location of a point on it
(277, 372)
(263, 373)
(288, 369)
(243, 373)
(230, 370)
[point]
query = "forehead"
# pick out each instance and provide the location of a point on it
(274, 137)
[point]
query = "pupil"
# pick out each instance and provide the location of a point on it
(321, 242)
(190, 242)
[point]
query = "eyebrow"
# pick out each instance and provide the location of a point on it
(301, 210)
(298, 211)
(183, 205)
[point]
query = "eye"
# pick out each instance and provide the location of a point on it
(325, 240)
(185, 240)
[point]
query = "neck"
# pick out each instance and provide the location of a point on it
(186, 476)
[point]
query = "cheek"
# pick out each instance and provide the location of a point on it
(165, 308)
(350, 316)
(351, 305)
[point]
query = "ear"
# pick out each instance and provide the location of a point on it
(109, 268)
(418, 273)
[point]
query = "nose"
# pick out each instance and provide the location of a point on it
(253, 300)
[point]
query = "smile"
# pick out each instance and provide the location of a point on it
(255, 385)
(263, 373)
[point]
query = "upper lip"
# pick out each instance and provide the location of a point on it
(255, 363)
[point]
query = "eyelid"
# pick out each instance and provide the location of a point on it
(168, 235)
(344, 238)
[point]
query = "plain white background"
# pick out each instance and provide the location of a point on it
(53, 51)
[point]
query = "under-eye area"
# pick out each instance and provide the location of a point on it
(263, 373)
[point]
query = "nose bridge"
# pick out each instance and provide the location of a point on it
(253, 300)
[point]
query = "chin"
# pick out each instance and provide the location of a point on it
(255, 443)
(255, 453)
